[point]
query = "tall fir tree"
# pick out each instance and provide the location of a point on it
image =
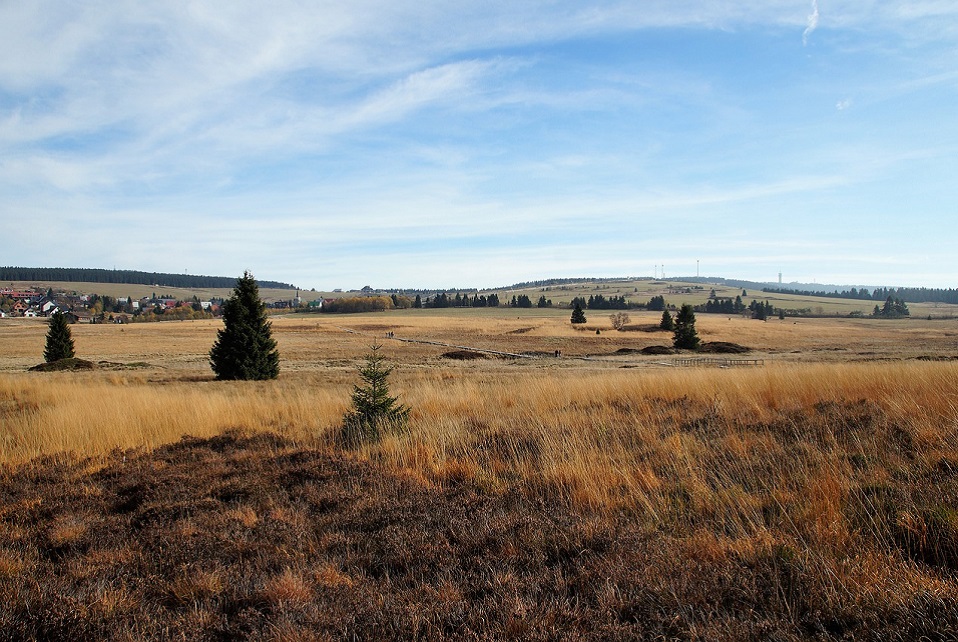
(244, 347)
(578, 316)
(667, 323)
(685, 335)
(59, 339)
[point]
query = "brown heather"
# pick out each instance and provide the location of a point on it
(610, 498)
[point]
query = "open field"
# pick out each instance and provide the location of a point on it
(637, 291)
(677, 293)
(600, 495)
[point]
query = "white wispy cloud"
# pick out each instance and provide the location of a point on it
(812, 23)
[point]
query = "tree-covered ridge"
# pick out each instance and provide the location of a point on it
(135, 277)
(908, 295)
(569, 281)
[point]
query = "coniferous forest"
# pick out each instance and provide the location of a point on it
(98, 275)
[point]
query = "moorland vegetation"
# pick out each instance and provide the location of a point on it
(600, 495)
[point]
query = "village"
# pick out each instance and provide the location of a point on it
(93, 308)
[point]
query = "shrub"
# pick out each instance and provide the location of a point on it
(619, 320)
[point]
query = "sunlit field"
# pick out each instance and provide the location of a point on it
(833, 465)
(153, 383)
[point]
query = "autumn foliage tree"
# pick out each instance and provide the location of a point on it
(619, 320)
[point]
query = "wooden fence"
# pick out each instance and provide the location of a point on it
(717, 362)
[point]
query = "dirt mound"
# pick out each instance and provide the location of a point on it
(658, 350)
(723, 347)
(628, 351)
(64, 364)
(463, 355)
(641, 327)
(114, 365)
(521, 330)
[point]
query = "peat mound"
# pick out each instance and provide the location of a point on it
(641, 327)
(463, 355)
(64, 364)
(521, 330)
(658, 350)
(723, 347)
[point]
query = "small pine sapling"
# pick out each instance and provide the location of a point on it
(374, 410)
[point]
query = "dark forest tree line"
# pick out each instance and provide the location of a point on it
(907, 295)
(97, 275)
(600, 302)
(724, 306)
(443, 300)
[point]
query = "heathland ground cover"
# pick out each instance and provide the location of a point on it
(612, 495)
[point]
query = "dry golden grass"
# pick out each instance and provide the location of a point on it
(822, 486)
(157, 386)
(814, 444)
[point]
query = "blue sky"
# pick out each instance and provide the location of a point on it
(459, 144)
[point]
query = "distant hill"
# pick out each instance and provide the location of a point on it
(95, 275)
(859, 292)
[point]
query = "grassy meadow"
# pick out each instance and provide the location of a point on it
(813, 497)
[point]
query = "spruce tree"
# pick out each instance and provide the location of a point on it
(244, 347)
(667, 323)
(578, 316)
(685, 335)
(374, 410)
(59, 339)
